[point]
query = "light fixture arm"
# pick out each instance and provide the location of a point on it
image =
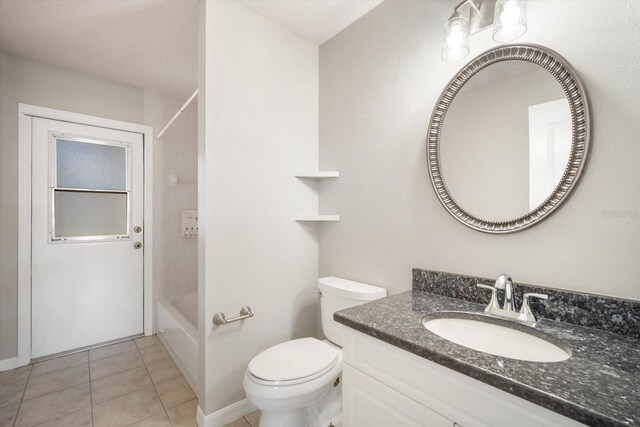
(469, 3)
(478, 12)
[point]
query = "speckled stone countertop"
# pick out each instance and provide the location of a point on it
(599, 385)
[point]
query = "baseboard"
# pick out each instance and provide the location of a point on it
(225, 415)
(8, 364)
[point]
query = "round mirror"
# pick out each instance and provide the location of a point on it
(508, 138)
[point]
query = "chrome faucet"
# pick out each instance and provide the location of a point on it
(504, 282)
(508, 309)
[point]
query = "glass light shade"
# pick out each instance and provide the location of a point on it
(456, 39)
(510, 20)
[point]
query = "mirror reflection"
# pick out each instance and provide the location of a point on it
(506, 140)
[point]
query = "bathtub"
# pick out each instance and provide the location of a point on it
(177, 328)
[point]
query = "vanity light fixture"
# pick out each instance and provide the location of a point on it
(508, 18)
(456, 38)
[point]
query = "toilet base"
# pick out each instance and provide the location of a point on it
(293, 418)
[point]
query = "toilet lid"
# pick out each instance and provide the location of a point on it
(293, 360)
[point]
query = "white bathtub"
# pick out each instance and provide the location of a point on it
(177, 327)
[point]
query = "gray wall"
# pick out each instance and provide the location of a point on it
(379, 80)
(48, 86)
(175, 267)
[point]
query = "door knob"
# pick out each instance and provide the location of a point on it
(137, 245)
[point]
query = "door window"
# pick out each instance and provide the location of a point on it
(90, 190)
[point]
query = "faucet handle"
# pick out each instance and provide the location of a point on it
(525, 297)
(525, 311)
(494, 298)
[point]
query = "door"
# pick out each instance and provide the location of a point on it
(87, 234)
(370, 403)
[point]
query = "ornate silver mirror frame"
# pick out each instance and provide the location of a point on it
(580, 138)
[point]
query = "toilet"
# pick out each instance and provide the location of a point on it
(297, 383)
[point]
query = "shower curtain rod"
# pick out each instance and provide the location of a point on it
(186, 104)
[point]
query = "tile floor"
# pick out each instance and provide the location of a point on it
(249, 420)
(132, 383)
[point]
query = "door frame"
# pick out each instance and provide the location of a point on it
(26, 113)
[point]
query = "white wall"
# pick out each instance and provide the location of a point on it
(379, 80)
(258, 125)
(175, 269)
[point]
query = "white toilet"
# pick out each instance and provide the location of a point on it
(297, 383)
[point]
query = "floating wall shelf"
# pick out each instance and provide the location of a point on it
(313, 174)
(317, 174)
(318, 218)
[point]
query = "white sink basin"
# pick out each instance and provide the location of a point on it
(496, 337)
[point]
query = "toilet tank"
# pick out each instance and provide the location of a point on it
(338, 294)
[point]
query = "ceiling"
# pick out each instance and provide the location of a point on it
(315, 20)
(146, 43)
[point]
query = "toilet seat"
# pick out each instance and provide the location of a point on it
(293, 362)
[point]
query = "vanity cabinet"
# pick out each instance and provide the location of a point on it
(371, 403)
(386, 386)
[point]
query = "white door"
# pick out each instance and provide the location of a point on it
(87, 235)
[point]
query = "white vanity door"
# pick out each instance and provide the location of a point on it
(369, 403)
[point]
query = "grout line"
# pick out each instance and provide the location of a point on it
(117, 373)
(115, 355)
(169, 379)
(60, 416)
(58, 390)
(151, 346)
(144, 419)
(15, 417)
(138, 347)
(247, 419)
(15, 369)
(59, 369)
(54, 392)
(127, 393)
(249, 422)
(144, 365)
(90, 388)
(122, 395)
(90, 382)
(32, 365)
(154, 384)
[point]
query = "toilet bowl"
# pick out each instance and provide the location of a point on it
(297, 383)
(286, 394)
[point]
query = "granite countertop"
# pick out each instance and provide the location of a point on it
(598, 385)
